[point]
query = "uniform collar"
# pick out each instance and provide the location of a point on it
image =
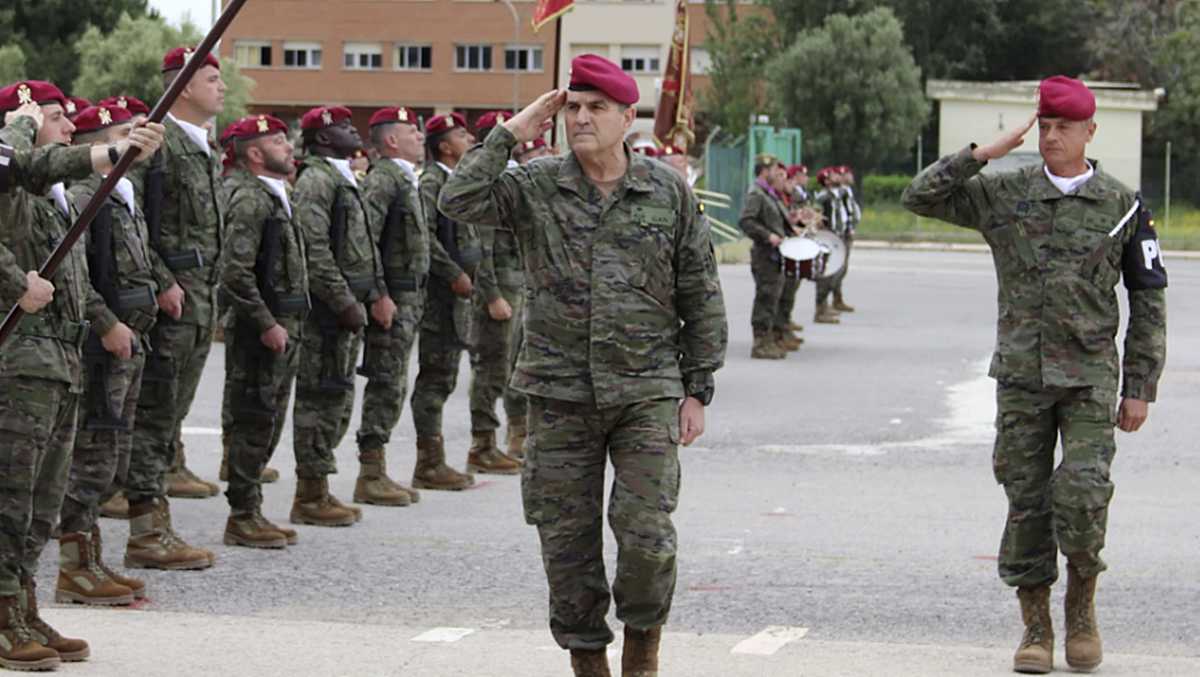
(279, 188)
(637, 174)
(1040, 187)
(408, 169)
(198, 135)
(343, 167)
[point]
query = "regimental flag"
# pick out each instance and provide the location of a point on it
(549, 10)
(673, 118)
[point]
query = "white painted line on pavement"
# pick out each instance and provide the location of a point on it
(443, 635)
(201, 431)
(770, 640)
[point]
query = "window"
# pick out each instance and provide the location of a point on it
(414, 57)
(252, 54)
(701, 61)
(640, 59)
(523, 58)
(473, 57)
(363, 56)
(302, 54)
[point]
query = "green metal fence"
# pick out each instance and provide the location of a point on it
(729, 171)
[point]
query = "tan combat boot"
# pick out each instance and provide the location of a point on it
(81, 580)
(1084, 652)
(795, 327)
(18, 649)
(788, 341)
(485, 457)
(288, 533)
(153, 543)
(590, 663)
(825, 315)
(267, 476)
(312, 505)
(432, 472)
(252, 531)
(765, 347)
(518, 430)
(116, 507)
(69, 650)
(840, 305)
(639, 657)
(373, 485)
(183, 483)
(135, 584)
(1035, 655)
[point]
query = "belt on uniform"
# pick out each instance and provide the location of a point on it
(361, 286)
(71, 333)
(139, 320)
(399, 282)
(291, 304)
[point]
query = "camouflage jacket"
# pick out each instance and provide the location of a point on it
(260, 279)
(343, 268)
(128, 251)
(404, 243)
(45, 345)
(623, 299)
(443, 263)
(763, 215)
(501, 269)
(1058, 258)
(192, 219)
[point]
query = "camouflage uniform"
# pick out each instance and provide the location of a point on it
(264, 283)
(186, 244)
(501, 275)
(343, 269)
(446, 327)
(1056, 363)
(41, 362)
(398, 224)
(624, 317)
(763, 215)
(102, 446)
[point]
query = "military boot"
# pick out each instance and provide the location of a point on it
(116, 507)
(267, 476)
(518, 430)
(1035, 655)
(840, 305)
(639, 657)
(788, 341)
(312, 505)
(153, 543)
(80, 578)
(18, 649)
(1084, 652)
(183, 483)
(69, 650)
(795, 327)
(765, 347)
(486, 458)
(251, 530)
(289, 534)
(590, 663)
(357, 511)
(432, 472)
(373, 485)
(825, 315)
(135, 584)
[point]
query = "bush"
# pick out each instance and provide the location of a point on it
(884, 188)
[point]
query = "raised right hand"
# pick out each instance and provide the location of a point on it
(38, 292)
(171, 301)
(538, 117)
(1004, 145)
(29, 110)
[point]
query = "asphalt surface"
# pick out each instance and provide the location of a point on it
(844, 495)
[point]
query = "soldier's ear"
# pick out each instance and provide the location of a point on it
(321, 137)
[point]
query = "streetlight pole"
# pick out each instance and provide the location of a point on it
(516, 104)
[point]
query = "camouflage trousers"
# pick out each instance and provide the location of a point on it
(178, 352)
(834, 284)
(100, 462)
(492, 362)
(385, 364)
(787, 301)
(37, 433)
(324, 397)
(768, 288)
(1052, 509)
(258, 386)
(562, 488)
(439, 352)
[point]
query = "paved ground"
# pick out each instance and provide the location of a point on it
(839, 518)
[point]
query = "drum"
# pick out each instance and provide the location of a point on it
(833, 250)
(801, 258)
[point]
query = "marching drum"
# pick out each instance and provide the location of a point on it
(833, 249)
(801, 257)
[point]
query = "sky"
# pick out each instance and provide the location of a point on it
(174, 10)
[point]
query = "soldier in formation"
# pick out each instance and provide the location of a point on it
(766, 221)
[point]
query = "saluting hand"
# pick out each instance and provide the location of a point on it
(538, 117)
(1004, 145)
(28, 110)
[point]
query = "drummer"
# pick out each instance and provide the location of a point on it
(765, 220)
(796, 197)
(836, 218)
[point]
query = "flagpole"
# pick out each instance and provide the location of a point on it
(557, 66)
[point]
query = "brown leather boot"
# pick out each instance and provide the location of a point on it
(18, 649)
(373, 485)
(1084, 651)
(840, 305)
(765, 347)
(116, 507)
(153, 543)
(639, 657)
(485, 457)
(81, 580)
(357, 511)
(69, 650)
(135, 584)
(267, 476)
(252, 531)
(1035, 655)
(590, 663)
(183, 483)
(288, 533)
(795, 327)
(788, 341)
(312, 505)
(825, 315)
(518, 430)
(432, 472)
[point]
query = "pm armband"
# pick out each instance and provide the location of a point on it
(1142, 262)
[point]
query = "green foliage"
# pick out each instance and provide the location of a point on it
(740, 49)
(47, 31)
(12, 64)
(1177, 57)
(888, 188)
(853, 87)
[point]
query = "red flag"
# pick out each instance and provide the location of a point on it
(549, 10)
(673, 118)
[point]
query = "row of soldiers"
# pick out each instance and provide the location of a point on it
(779, 206)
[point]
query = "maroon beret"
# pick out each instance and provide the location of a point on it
(591, 72)
(252, 127)
(100, 117)
(135, 106)
(76, 105)
(176, 58)
(324, 116)
(387, 116)
(793, 170)
(1063, 97)
(823, 174)
(439, 124)
(30, 91)
(490, 119)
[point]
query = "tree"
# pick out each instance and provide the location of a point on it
(129, 61)
(1177, 59)
(48, 30)
(853, 87)
(12, 64)
(740, 49)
